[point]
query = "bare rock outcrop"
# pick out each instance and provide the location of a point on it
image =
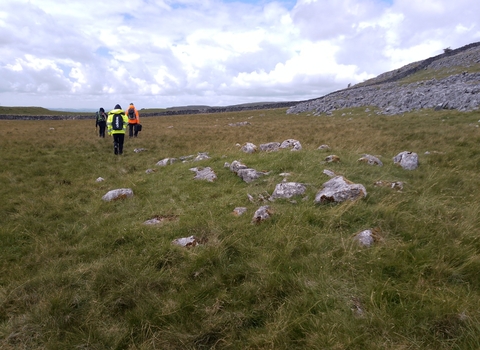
(458, 91)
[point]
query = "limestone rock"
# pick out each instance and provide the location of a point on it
(120, 193)
(407, 160)
(288, 190)
(99, 179)
(204, 174)
(396, 185)
(261, 214)
(166, 161)
(291, 143)
(238, 211)
(201, 156)
(249, 148)
(370, 160)
(332, 159)
(245, 173)
(339, 189)
(270, 147)
(329, 173)
(365, 238)
(191, 241)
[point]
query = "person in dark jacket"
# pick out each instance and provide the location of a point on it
(101, 121)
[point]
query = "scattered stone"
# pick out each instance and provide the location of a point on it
(246, 174)
(138, 150)
(291, 143)
(249, 148)
(263, 213)
(201, 156)
(166, 161)
(117, 194)
(160, 219)
(249, 175)
(191, 241)
(235, 166)
(332, 159)
(186, 159)
(396, 185)
(339, 189)
(150, 171)
(329, 173)
(364, 238)
(324, 147)
(285, 174)
(367, 237)
(204, 174)
(239, 211)
(153, 221)
(239, 124)
(407, 160)
(99, 179)
(270, 147)
(370, 160)
(288, 190)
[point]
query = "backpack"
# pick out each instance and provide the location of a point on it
(131, 113)
(100, 117)
(117, 121)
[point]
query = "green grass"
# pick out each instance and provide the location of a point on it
(80, 273)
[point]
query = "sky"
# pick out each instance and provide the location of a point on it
(86, 54)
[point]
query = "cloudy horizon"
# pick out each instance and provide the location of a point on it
(165, 53)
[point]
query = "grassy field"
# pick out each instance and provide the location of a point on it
(81, 273)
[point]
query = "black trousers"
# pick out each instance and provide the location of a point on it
(118, 143)
(102, 126)
(132, 130)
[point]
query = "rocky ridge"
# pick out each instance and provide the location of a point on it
(460, 91)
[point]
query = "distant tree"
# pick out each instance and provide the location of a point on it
(447, 50)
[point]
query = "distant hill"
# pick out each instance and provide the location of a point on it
(450, 80)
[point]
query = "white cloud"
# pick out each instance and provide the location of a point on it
(164, 53)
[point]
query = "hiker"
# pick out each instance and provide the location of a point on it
(117, 126)
(101, 121)
(133, 121)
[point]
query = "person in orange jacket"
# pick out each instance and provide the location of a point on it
(133, 121)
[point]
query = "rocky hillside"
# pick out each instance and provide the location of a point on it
(448, 81)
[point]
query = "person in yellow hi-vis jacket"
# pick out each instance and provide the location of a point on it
(117, 123)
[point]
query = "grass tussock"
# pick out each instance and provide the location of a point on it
(81, 273)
